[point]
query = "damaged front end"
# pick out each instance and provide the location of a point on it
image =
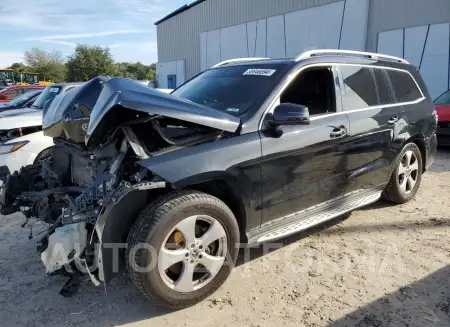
(93, 186)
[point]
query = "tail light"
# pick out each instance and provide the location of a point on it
(436, 117)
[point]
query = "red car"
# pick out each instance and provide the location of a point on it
(442, 105)
(10, 92)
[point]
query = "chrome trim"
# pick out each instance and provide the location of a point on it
(312, 216)
(294, 74)
(229, 61)
(372, 55)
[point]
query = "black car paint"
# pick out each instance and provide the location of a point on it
(235, 160)
(271, 174)
(296, 172)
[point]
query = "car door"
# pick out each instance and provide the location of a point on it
(375, 122)
(306, 165)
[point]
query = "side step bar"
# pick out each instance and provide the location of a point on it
(313, 216)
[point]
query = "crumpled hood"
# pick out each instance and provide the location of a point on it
(20, 118)
(121, 98)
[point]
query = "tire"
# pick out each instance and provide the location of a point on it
(394, 192)
(158, 223)
(45, 154)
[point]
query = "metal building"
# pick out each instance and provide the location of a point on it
(205, 32)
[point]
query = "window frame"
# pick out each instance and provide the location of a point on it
(292, 75)
(388, 80)
(336, 91)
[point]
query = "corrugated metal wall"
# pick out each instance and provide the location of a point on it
(386, 15)
(179, 37)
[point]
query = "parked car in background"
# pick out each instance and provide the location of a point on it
(25, 100)
(21, 139)
(51, 92)
(10, 92)
(442, 105)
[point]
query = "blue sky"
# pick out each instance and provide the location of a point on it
(126, 26)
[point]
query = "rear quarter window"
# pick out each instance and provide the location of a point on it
(405, 88)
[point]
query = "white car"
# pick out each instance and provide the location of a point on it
(22, 141)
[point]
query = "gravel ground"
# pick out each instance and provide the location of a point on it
(384, 266)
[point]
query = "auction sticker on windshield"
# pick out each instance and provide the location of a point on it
(260, 72)
(53, 89)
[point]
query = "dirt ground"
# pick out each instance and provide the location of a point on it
(384, 266)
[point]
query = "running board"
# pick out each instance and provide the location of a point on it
(312, 216)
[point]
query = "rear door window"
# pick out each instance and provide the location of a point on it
(359, 87)
(383, 91)
(405, 88)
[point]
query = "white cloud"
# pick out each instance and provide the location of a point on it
(70, 44)
(7, 58)
(82, 35)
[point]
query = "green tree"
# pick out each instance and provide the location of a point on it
(137, 70)
(49, 65)
(88, 62)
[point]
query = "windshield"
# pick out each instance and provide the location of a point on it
(236, 90)
(22, 98)
(48, 94)
(443, 99)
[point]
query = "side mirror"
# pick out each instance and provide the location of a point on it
(290, 114)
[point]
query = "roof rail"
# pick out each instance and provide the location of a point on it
(371, 55)
(229, 61)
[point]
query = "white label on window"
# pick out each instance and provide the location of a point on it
(53, 89)
(260, 72)
(233, 110)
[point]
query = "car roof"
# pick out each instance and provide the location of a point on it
(64, 85)
(15, 87)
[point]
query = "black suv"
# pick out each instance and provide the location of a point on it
(251, 151)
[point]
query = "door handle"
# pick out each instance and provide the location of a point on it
(338, 132)
(393, 120)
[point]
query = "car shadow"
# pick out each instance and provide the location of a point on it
(442, 160)
(423, 303)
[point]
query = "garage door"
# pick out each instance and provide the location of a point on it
(427, 47)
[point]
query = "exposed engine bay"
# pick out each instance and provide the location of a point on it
(101, 131)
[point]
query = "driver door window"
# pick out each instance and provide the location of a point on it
(313, 88)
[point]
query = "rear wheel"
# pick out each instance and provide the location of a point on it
(188, 243)
(407, 175)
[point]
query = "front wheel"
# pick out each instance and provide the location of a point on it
(407, 175)
(182, 248)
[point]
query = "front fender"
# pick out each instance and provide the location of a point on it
(112, 228)
(207, 161)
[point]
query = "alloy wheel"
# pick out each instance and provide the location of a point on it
(408, 172)
(192, 253)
